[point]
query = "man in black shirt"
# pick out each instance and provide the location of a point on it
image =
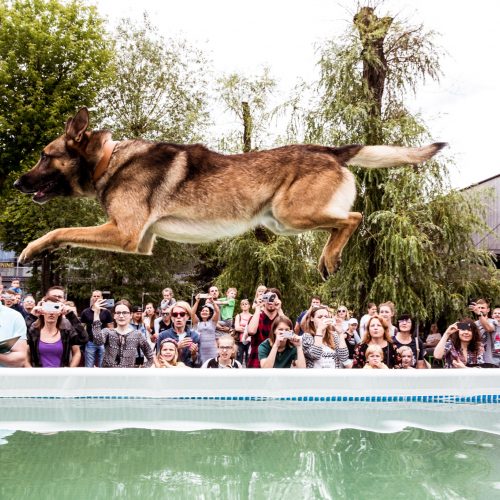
(94, 353)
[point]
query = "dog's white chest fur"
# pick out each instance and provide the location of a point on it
(199, 231)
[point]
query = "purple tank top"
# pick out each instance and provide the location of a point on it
(50, 354)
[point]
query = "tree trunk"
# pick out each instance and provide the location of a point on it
(247, 127)
(372, 31)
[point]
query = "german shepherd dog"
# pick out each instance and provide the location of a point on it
(188, 193)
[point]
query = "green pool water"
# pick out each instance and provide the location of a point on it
(224, 464)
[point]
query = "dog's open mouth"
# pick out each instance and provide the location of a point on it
(43, 193)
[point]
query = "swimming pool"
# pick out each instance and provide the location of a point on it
(258, 400)
(276, 434)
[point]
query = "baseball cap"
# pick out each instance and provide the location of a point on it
(352, 321)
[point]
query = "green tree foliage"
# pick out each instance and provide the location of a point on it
(159, 70)
(414, 245)
(159, 90)
(248, 99)
(53, 58)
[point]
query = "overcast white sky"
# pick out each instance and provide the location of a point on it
(463, 109)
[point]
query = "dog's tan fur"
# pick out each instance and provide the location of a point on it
(188, 193)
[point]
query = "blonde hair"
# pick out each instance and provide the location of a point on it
(372, 349)
(183, 305)
(161, 361)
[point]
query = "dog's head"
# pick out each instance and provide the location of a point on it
(63, 168)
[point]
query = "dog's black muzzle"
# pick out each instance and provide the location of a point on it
(22, 187)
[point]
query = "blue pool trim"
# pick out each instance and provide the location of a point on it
(449, 398)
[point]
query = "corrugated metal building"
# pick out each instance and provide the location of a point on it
(491, 241)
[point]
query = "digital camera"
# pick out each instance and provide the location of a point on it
(52, 307)
(288, 334)
(269, 297)
(109, 303)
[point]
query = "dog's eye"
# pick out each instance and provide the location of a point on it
(43, 156)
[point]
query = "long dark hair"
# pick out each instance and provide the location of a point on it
(40, 322)
(475, 344)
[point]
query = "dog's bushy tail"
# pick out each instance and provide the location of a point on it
(392, 156)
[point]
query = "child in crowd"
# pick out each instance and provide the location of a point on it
(374, 356)
(240, 322)
(258, 294)
(226, 348)
(227, 310)
(169, 355)
(406, 358)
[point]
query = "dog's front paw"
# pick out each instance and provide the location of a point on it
(28, 254)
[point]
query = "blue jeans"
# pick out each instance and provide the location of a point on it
(93, 353)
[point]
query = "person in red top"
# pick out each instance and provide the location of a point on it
(267, 308)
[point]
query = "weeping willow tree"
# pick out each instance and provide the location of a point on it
(414, 245)
(259, 256)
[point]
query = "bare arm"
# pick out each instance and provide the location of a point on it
(17, 356)
(76, 356)
(301, 360)
(194, 310)
(253, 324)
(237, 324)
(215, 317)
(270, 360)
(439, 349)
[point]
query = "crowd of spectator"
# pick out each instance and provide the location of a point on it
(210, 334)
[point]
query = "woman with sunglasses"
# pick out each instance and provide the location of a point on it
(169, 355)
(324, 347)
(187, 339)
(460, 345)
(343, 317)
(122, 344)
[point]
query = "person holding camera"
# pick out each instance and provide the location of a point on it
(323, 346)
(123, 344)
(485, 326)
(94, 354)
(205, 324)
(283, 348)
(267, 308)
(460, 346)
(49, 344)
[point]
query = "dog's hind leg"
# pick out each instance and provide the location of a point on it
(105, 237)
(339, 236)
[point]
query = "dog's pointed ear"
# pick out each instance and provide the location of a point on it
(76, 126)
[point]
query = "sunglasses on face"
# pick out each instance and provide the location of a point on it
(342, 311)
(178, 314)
